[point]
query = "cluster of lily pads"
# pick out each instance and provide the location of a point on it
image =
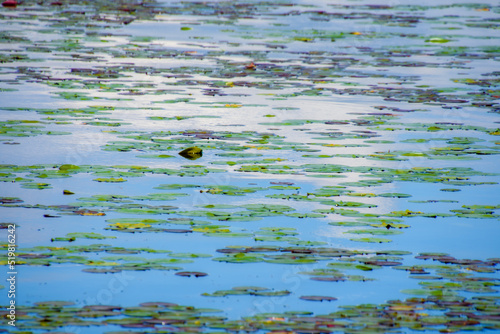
(459, 148)
(358, 214)
(443, 312)
(373, 176)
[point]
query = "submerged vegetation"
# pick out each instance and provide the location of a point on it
(259, 166)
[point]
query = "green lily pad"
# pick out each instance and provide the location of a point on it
(176, 186)
(239, 258)
(88, 235)
(110, 179)
(38, 185)
(394, 195)
(252, 291)
(371, 240)
(268, 208)
(155, 156)
(437, 40)
(318, 298)
(191, 273)
(160, 197)
(374, 232)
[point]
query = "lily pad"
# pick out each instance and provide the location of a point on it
(318, 298)
(191, 273)
(374, 232)
(239, 258)
(371, 240)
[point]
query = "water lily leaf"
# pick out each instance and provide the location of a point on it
(239, 258)
(425, 277)
(305, 215)
(239, 154)
(374, 232)
(127, 226)
(394, 195)
(230, 190)
(347, 265)
(54, 303)
(318, 298)
(416, 292)
(291, 260)
(219, 206)
(371, 240)
(329, 278)
(174, 230)
(268, 208)
(110, 179)
(10, 200)
(450, 189)
(276, 238)
(271, 293)
(382, 263)
(349, 224)
(147, 210)
(88, 235)
(191, 273)
(437, 40)
(247, 290)
(225, 293)
(70, 239)
(392, 252)
(308, 243)
(155, 156)
(40, 185)
(147, 221)
(227, 234)
(176, 186)
(160, 197)
(189, 255)
(126, 258)
(86, 212)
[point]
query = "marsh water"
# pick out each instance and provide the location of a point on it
(341, 175)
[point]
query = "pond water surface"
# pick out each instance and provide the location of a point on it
(341, 172)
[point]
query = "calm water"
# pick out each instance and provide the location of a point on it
(369, 127)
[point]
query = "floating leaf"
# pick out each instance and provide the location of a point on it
(191, 273)
(239, 258)
(252, 291)
(155, 156)
(318, 298)
(374, 232)
(39, 186)
(437, 40)
(110, 179)
(371, 240)
(88, 235)
(395, 195)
